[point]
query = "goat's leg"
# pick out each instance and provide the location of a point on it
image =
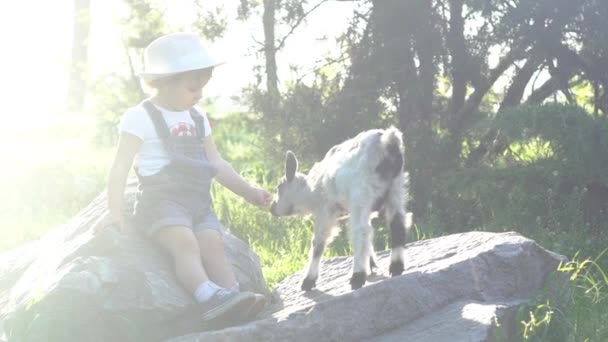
(373, 261)
(395, 218)
(361, 235)
(398, 239)
(322, 230)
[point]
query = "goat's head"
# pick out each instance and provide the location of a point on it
(291, 191)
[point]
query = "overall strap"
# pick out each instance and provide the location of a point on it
(199, 122)
(157, 118)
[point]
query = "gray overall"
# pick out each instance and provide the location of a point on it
(177, 195)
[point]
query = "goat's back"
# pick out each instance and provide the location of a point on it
(368, 159)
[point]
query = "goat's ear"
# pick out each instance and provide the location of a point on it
(291, 165)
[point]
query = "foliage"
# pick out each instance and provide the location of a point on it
(114, 94)
(305, 125)
(393, 56)
(211, 23)
(550, 175)
(576, 138)
(577, 314)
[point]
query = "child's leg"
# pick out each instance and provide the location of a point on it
(217, 302)
(213, 255)
(183, 246)
(220, 270)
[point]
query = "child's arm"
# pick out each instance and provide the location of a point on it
(128, 145)
(232, 180)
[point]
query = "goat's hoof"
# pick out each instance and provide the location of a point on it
(358, 279)
(309, 283)
(396, 268)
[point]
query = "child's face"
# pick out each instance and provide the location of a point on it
(183, 91)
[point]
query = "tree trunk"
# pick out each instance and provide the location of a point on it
(77, 86)
(270, 50)
(456, 45)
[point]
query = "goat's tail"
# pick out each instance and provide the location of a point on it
(391, 164)
(392, 136)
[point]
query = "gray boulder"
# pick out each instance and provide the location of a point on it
(455, 288)
(73, 285)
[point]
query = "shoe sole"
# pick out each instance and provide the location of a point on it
(257, 306)
(237, 304)
(253, 311)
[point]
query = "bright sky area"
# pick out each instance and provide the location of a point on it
(35, 37)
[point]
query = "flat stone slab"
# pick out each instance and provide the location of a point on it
(460, 321)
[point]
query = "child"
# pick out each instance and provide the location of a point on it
(175, 159)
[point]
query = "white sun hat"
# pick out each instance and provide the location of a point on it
(175, 53)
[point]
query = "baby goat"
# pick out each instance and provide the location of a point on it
(357, 177)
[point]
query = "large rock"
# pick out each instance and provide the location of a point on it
(73, 285)
(454, 288)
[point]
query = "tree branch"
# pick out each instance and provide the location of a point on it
(472, 103)
(486, 142)
(300, 20)
(516, 90)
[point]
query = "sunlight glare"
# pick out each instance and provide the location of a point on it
(33, 66)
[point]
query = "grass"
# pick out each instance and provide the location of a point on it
(282, 244)
(576, 314)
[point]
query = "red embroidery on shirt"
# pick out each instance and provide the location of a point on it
(183, 129)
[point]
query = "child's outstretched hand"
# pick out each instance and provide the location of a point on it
(259, 197)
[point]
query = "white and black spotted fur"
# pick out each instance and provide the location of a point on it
(358, 177)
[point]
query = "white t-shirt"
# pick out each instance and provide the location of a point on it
(152, 155)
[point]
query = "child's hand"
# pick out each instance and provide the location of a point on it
(105, 222)
(259, 197)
